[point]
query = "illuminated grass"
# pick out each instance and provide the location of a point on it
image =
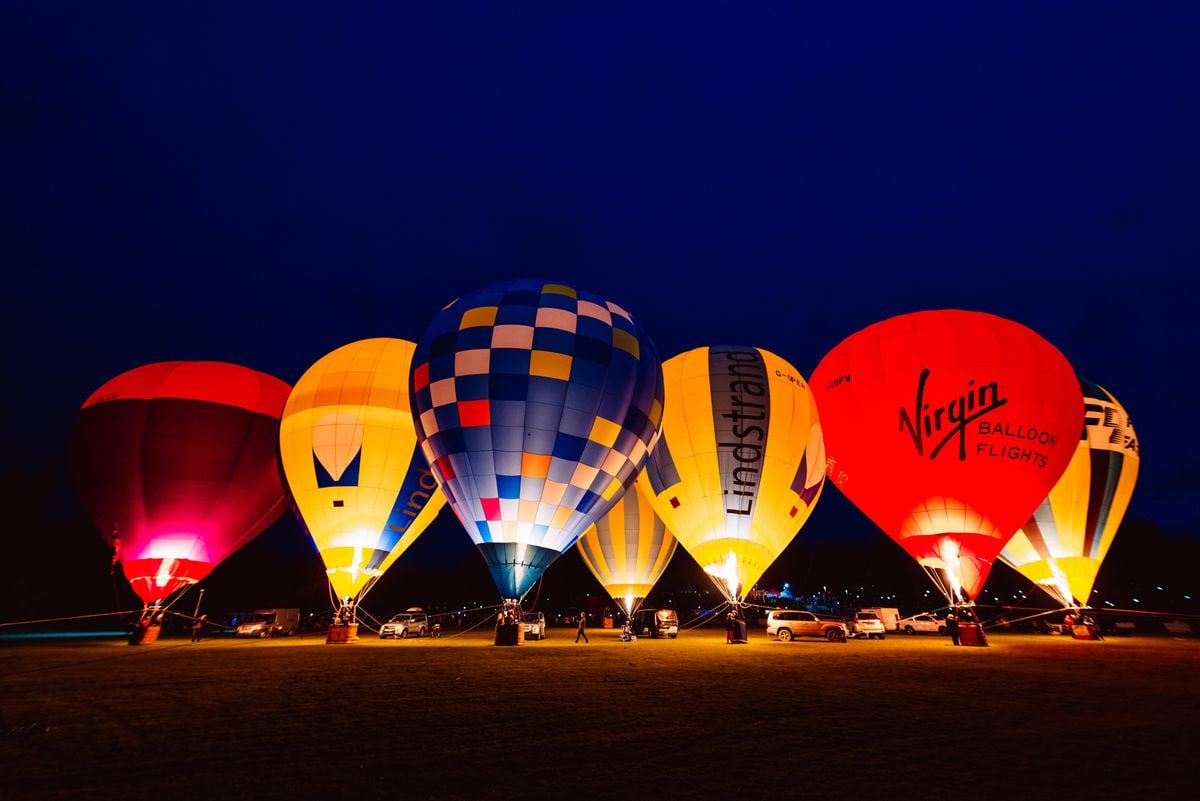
(907, 717)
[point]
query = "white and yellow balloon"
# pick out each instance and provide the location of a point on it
(741, 461)
(627, 550)
(349, 452)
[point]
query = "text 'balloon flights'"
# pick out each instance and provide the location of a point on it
(947, 428)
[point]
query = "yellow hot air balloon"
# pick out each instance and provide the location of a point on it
(741, 461)
(627, 550)
(1063, 544)
(349, 452)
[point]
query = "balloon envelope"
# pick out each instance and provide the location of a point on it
(179, 457)
(1063, 544)
(536, 404)
(741, 461)
(627, 550)
(349, 451)
(947, 428)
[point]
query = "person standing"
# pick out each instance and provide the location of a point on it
(952, 628)
(581, 631)
(198, 627)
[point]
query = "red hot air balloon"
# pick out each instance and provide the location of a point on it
(176, 463)
(948, 428)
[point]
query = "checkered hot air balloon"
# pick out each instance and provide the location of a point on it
(536, 405)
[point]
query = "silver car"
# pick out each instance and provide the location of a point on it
(787, 624)
(413, 623)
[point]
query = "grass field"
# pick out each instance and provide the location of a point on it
(1030, 717)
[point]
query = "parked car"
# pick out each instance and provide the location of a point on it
(787, 624)
(265, 623)
(413, 622)
(923, 623)
(535, 625)
(890, 616)
(866, 624)
(656, 623)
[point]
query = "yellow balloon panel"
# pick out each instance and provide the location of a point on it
(627, 550)
(1064, 543)
(741, 460)
(349, 452)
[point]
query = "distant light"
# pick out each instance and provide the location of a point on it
(1136, 601)
(1108, 603)
(1158, 588)
(1187, 597)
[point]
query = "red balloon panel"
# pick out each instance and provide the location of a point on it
(948, 428)
(181, 458)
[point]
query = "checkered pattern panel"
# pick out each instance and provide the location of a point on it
(536, 404)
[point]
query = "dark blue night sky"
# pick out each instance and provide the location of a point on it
(263, 182)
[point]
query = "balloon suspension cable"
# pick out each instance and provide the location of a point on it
(536, 595)
(126, 613)
(360, 611)
(367, 587)
(936, 578)
(178, 595)
(704, 618)
(483, 619)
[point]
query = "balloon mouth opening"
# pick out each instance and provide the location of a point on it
(725, 574)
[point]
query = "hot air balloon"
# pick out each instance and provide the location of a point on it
(349, 452)
(1062, 545)
(740, 463)
(627, 550)
(537, 403)
(947, 428)
(176, 464)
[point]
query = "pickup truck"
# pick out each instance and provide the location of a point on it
(787, 624)
(923, 623)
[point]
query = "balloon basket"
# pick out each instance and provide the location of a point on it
(971, 634)
(510, 634)
(145, 635)
(1085, 632)
(342, 633)
(737, 635)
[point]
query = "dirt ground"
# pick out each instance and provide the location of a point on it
(1029, 717)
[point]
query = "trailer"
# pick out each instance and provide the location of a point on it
(890, 616)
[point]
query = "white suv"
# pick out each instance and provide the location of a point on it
(867, 624)
(535, 625)
(787, 624)
(411, 623)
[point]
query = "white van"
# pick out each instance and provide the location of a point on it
(265, 623)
